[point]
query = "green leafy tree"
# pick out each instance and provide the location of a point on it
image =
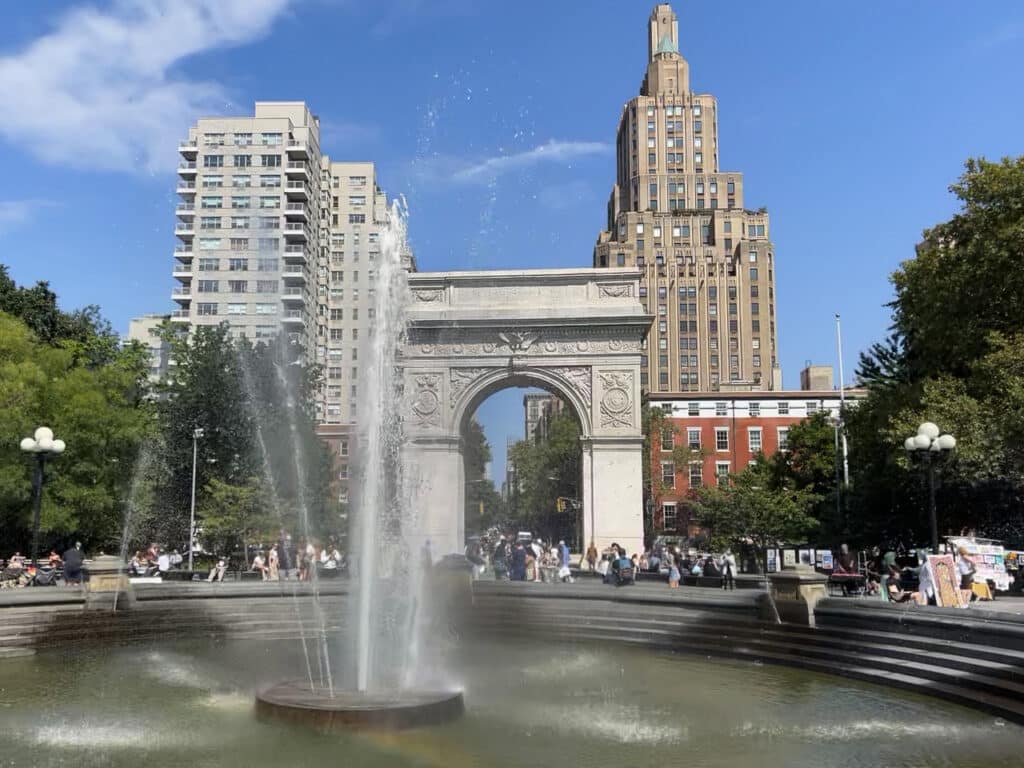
(751, 509)
(232, 516)
(484, 505)
(96, 409)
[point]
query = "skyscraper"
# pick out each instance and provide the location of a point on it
(708, 263)
(275, 237)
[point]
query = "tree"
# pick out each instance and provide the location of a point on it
(97, 409)
(483, 506)
(232, 516)
(659, 432)
(751, 509)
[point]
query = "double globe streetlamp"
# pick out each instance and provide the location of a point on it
(927, 445)
(43, 445)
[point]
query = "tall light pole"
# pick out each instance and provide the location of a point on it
(197, 433)
(42, 445)
(927, 445)
(842, 403)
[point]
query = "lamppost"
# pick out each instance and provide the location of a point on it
(927, 445)
(42, 445)
(197, 433)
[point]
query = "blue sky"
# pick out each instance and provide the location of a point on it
(496, 121)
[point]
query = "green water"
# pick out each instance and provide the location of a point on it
(190, 705)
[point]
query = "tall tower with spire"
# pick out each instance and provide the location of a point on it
(708, 263)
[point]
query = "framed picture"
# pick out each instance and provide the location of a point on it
(825, 559)
(806, 557)
(789, 557)
(772, 560)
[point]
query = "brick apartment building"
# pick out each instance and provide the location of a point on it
(730, 429)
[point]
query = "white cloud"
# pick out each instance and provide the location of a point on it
(551, 152)
(101, 90)
(15, 212)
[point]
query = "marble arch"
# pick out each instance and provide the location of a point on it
(574, 332)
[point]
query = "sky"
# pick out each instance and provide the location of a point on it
(496, 121)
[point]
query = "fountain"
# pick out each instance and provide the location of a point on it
(389, 688)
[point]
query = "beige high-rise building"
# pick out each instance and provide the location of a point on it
(275, 237)
(708, 262)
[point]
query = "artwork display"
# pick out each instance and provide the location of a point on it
(946, 581)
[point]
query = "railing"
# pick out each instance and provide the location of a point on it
(186, 185)
(179, 267)
(183, 291)
(187, 143)
(180, 313)
(187, 206)
(296, 143)
(294, 269)
(293, 292)
(295, 227)
(298, 165)
(295, 207)
(187, 164)
(182, 248)
(184, 227)
(293, 314)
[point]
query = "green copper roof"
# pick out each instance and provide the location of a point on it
(667, 46)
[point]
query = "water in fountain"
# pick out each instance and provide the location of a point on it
(386, 546)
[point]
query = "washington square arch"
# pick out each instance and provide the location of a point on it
(576, 333)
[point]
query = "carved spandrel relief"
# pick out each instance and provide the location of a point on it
(426, 401)
(616, 399)
(580, 378)
(428, 295)
(460, 379)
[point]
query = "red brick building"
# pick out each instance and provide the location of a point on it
(729, 429)
(337, 437)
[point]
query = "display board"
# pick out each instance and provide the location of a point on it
(989, 560)
(946, 581)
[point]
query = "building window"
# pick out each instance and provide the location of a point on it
(755, 409)
(668, 511)
(667, 438)
(721, 438)
(693, 409)
(812, 407)
(757, 361)
(693, 439)
(721, 409)
(668, 474)
(754, 439)
(213, 161)
(206, 309)
(783, 433)
(696, 474)
(783, 408)
(722, 473)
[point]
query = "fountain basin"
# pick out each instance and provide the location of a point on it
(292, 701)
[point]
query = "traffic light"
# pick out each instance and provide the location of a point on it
(560, 504)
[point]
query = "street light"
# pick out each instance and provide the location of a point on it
(926, 445)
(197, 433)
(42, 445)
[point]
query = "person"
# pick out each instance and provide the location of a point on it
(519, 562)
(564, 572)
(591, 557)
(17, 562)
(54, 559)
(499, 560)
(176, 559)
(73, 564)
(966, 568)
(273, 564)
(696, 570)
(728, 570)
(163, 562)
(537, 548)
(284, 555)
(710, 568)
(218, 571)
(846, 562)
(894, 589)
(673, 571)
(259, 566)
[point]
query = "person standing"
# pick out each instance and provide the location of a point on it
(499, 560)
(564, 572)
(673, 571)
(274, 564)
(73, 560)
(285, 556)
(728, 570)
(163, 563)
(591, 557)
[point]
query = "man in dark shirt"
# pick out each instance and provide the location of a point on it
(73, 564)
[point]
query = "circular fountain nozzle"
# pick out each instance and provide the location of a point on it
(295, 702)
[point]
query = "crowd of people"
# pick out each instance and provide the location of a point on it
(521, 559)
(19, 571)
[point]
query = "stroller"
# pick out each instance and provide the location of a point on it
(623, 572)
(46, 577)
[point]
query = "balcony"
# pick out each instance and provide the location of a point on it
(295, 230)
(293, 295)
(297, 190)
(185, 210)
(297, 168)
(296, 211)
(179, 315)
(188, 148)
(295, 253)
(180, 270)
(293, 317)
(292, 271)
(297, 148)
(186, 187)
(183, 252)
(186, 230)
(182, 293)
(187, 168)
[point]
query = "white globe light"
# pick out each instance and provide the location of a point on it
(934, 448)
(28, 444)
(909, 444)
(928, 429)
(46, 444)
(59, 446)
(946, 442)
(922, 442)
(44, 433)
